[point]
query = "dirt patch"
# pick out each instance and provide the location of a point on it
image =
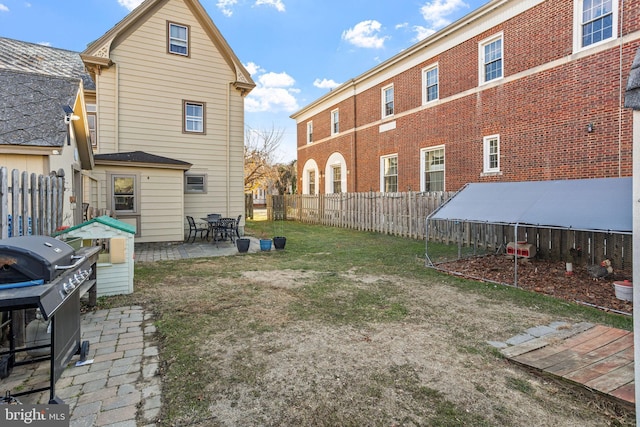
(433, 367)
(547, 277)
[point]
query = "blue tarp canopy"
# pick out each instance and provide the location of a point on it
(599, 204)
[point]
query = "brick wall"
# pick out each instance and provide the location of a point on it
(541, 116)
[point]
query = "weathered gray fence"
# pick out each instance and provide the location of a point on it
(405, 214)
(30, 203)
(578, 247)
(401, 214)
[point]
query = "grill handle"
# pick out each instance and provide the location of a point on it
(80, 259)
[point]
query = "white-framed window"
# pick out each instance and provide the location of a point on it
(311, 182)
(389, 174)
(491, 59)
(195, 183)
(177, 39)
(387, 101)
(124, 193)
(193, 117)
(309, 178)
(309, 132)
(430, 84)
(491, 153)
(432, 169)
(335, 122)
(92, 122)
(595, 21)
(336, 179)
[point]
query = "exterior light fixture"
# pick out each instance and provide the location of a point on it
(590, 127)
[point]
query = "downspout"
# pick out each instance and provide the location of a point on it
(116, 138)
(620, 91)
(354, 137)
(228, 165)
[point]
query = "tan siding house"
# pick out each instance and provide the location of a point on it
(170, 119)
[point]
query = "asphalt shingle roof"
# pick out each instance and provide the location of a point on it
(31, 111)
(140, 157)
(632, 96)
(39, 59)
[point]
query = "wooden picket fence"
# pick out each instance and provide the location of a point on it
(405, 214)
(30, 203)
(401, 214)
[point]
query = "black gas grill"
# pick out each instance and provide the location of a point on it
(48, 274)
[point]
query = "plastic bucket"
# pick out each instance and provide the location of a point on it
(624, 290)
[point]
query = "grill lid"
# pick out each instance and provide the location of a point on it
(26, 258)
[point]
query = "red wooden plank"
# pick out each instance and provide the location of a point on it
(627, 392)
(612, 380)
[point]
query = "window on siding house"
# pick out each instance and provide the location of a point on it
(337, 179)
(312, 182)
(491, 153)
(193, 117)
(491, 59)
(597, 20)
(430, 81)
(309, 132)
(195, 183)
(178, 39)
(387, 101)
(390, 174)
(124, 193)
(335, 122)
(92, 122)
(433, 170)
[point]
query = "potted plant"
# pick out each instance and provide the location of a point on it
(242, 244)
(279, 240)
(265, 243)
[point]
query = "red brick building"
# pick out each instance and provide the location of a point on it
(518, 90)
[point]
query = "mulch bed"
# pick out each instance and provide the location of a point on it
(547, 277)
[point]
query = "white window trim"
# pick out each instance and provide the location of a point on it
(310, 165)
(383, 102)
(423, 154)
(382, 159)
(481, 64)
(486, 169)
(333, 124)
(190, 190)
(334, 160)
(309, 131)
(424, 83)
(169, 38)
(186, 118)
(577, 26)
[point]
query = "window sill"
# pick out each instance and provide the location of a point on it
(494, 173)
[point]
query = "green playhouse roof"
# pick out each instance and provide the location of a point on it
(106, 220)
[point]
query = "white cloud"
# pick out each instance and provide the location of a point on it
(253, 68)
(44, 43)
(276, 80)
(225, 6)
(325, 84)
(130, 4)
(3, 8)
(364, 35)
(275, 3)
(403, 25)
(422, 32)
(274, 92)
(436, 12)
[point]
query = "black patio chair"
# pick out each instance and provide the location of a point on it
(195, 228)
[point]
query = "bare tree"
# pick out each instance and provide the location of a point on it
(259, 152)
(286, 178)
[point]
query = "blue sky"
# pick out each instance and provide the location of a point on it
(296, 50)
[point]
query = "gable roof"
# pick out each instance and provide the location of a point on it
(103, 220)
(599, 204)
(34, 58)
(31, 111)
(98, 52)
(632, 95)
(140, 158)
